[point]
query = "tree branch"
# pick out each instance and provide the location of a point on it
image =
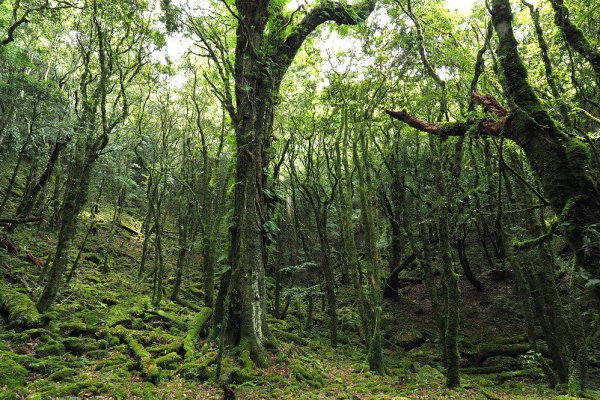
(10, 34)
(483, 127)
(340, 13)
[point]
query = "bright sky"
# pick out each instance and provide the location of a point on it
(460, 5)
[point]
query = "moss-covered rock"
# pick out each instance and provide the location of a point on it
(12, 374)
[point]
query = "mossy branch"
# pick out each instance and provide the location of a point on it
(146, 363)
(341, 14)
(194, 330)
(574, 36)
(482, 127)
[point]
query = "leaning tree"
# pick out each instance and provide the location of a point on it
(559, 160)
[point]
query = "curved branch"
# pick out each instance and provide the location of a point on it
(327, 11)
(10, 34)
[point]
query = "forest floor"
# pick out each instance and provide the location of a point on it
(103, 339)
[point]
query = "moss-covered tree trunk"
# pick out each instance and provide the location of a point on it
(74, 198)
(574, 36)
(29, 198)
(262, 57)
(348, 250)
(372, 257)
(558, 160)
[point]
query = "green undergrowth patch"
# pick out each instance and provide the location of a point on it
(103, 339)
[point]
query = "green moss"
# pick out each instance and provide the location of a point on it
(62, 374)
(80, 345)
(292, 337)
(118, 315)
(194, 371)
(145, 362)
(97, 354)
(71, 389)
(137, 323)
(194, 330)
(20, 308)
(116, 360)
(170, 347)
(168, 360)
(308, 370)
(53, 348)
(171, 318)
(12, 374)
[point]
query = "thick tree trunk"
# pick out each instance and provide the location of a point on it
(244, 322)
(559, 161)
(261, 60)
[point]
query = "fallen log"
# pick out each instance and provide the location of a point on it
(9, 245)
(146, 363)
(17, 221)
(19, 308)
(194, 330)
(34, 260)
(186, 303)
(168, 360)
(488, 350)
(169, 317)
(128, 229)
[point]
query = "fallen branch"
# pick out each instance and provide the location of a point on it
(169, 317)
(146, 364)
(128, 229)
(488, 350)
(34, 260)
(17, 221)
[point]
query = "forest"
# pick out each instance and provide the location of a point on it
(313, 199)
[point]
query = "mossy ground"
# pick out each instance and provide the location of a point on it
(82, 349)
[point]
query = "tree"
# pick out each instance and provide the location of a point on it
(267, 41)
(108, 65)
(558, 160)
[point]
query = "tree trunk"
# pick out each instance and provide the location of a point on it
(261, 60)
(559, 161)
(29, 198)
(74, 198)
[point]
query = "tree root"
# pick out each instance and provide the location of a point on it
(146, 363)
